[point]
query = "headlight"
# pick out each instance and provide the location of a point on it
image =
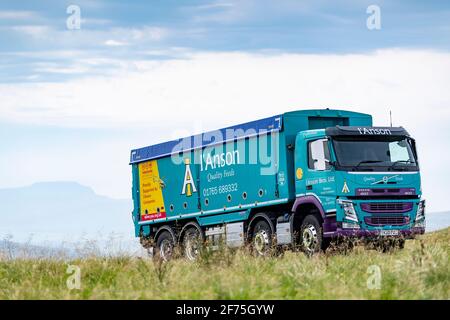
(349, 210)
(420, 215)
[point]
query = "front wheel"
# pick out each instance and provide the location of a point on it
(311, 239)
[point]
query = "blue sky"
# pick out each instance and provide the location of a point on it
(74, 102)
(35, 44)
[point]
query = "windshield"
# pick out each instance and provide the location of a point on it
(393, 153)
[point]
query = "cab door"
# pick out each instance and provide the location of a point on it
(315, 174)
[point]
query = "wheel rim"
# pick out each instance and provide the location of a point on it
(165, 249)
(192, 245)
(261, 241)
(310, 238)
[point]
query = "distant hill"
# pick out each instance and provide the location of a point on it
(61, 210)
(437, 221)
(13, 250)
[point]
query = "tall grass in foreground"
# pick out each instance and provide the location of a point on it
(420, 271)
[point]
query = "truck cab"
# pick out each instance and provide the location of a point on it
(365, 180)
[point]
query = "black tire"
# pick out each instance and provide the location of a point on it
(165, 246)
(192, 243)
(311, 236)
(262, 238)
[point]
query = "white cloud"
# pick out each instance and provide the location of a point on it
(78, 38)
(222, 12)
(17, 15)
(50, 54)
(35, 31)
(128, 36)
(115, 43)
(70, 69)
(211, 83)
(215, 5)
(146, 33)
(232, 11)
(211, 90)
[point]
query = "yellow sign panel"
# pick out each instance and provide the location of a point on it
(152, 202)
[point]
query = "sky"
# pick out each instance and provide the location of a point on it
(76, 95)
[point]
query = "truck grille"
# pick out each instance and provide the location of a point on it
(386, 220)
(388, 207)
(383, 192)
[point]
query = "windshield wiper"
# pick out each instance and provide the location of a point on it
(365, 161)
(399, 161)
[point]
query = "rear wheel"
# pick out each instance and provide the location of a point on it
(262, 238)
(192, 243)
(311, 239)
(165, 246)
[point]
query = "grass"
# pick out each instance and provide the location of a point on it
(420, 271)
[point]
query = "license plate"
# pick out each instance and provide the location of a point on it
(389, 233)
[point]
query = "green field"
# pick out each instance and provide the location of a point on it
(420, 271)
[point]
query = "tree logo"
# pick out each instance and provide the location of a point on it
(188, 185)
(345, 188)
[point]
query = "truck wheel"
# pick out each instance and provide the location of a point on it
(311, 235)
(262, 238)
(165, 246)
(192, 243)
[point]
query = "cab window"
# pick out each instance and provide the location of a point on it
(319, 155)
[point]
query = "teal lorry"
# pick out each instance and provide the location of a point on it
(299, 179)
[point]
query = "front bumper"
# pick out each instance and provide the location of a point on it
(373, 219)
(363, 233)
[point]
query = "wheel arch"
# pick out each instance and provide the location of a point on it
(163, 228)
(304, 206)
(189, 224)
(308, 203)
(258, 217)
